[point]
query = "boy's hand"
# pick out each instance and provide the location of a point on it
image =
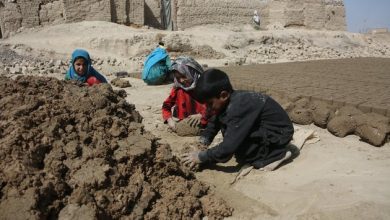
(203, 141)
(194, 120)
(191, 159)
(171, 124)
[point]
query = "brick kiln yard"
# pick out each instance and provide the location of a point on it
(332, 179)
(335, 178)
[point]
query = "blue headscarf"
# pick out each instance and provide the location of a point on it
(71, 73)
(154, 57)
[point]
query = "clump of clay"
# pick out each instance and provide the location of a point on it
(121, 83)
(342, 126)
(190, 147)
(185, 128)
(301, 116)
(321, 113)
(373, 128)
(300, 112)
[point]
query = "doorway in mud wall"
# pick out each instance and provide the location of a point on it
(1, 33)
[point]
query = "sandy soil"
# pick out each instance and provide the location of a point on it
(335, 178)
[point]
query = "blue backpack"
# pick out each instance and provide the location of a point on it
(156, 67)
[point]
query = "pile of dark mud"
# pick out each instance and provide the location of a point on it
(73, 152)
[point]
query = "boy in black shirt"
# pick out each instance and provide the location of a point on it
(255, 128)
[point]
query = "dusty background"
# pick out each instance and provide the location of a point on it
(335, 178)
(275, 14)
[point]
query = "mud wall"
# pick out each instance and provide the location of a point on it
(10, 18)
(310, 14)
(79, 10)
(153, 13)
(199, 12)
(126, 11)
(31, 13)
(29, 10)
(52, 13)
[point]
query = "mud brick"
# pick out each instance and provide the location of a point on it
(366, 108)
(349, 104)
(338, 104)
(136, 75)
(378, 110)
(325, 100)
(388, 113)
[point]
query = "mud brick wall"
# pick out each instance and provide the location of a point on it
(335, 16)
(52, 13)
(126, 12)
(310, 14)
(92, 10)
(118, 12)
(10, 18)
(137, 12)
(153, 13)
(30, 12)
(200, 12)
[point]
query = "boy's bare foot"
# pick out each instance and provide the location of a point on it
(272, 166)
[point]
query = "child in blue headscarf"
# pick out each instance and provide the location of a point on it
(81, 70)
(156, 66)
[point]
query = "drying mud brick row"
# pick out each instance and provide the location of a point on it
(74, 152)
(346, 96)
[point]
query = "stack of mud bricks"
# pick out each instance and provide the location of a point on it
(363, 83)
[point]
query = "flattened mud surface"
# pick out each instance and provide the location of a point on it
(346, 96)
(72, 152)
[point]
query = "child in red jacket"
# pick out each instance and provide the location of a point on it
(181, 104)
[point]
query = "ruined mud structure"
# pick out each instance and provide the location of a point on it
(310, 14)
(73, 152)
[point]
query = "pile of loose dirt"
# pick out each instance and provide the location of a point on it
(74, 152)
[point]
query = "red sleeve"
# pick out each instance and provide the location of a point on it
(202, 109)
(168, 104)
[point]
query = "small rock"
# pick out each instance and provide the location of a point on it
(16, 70)
(121, 83)
(121, 74)
(59, 63)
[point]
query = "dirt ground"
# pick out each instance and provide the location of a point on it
(359, 82)
(347, 96)
(334, 178)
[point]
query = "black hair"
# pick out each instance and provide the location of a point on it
(161, 43)
(211, 83)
